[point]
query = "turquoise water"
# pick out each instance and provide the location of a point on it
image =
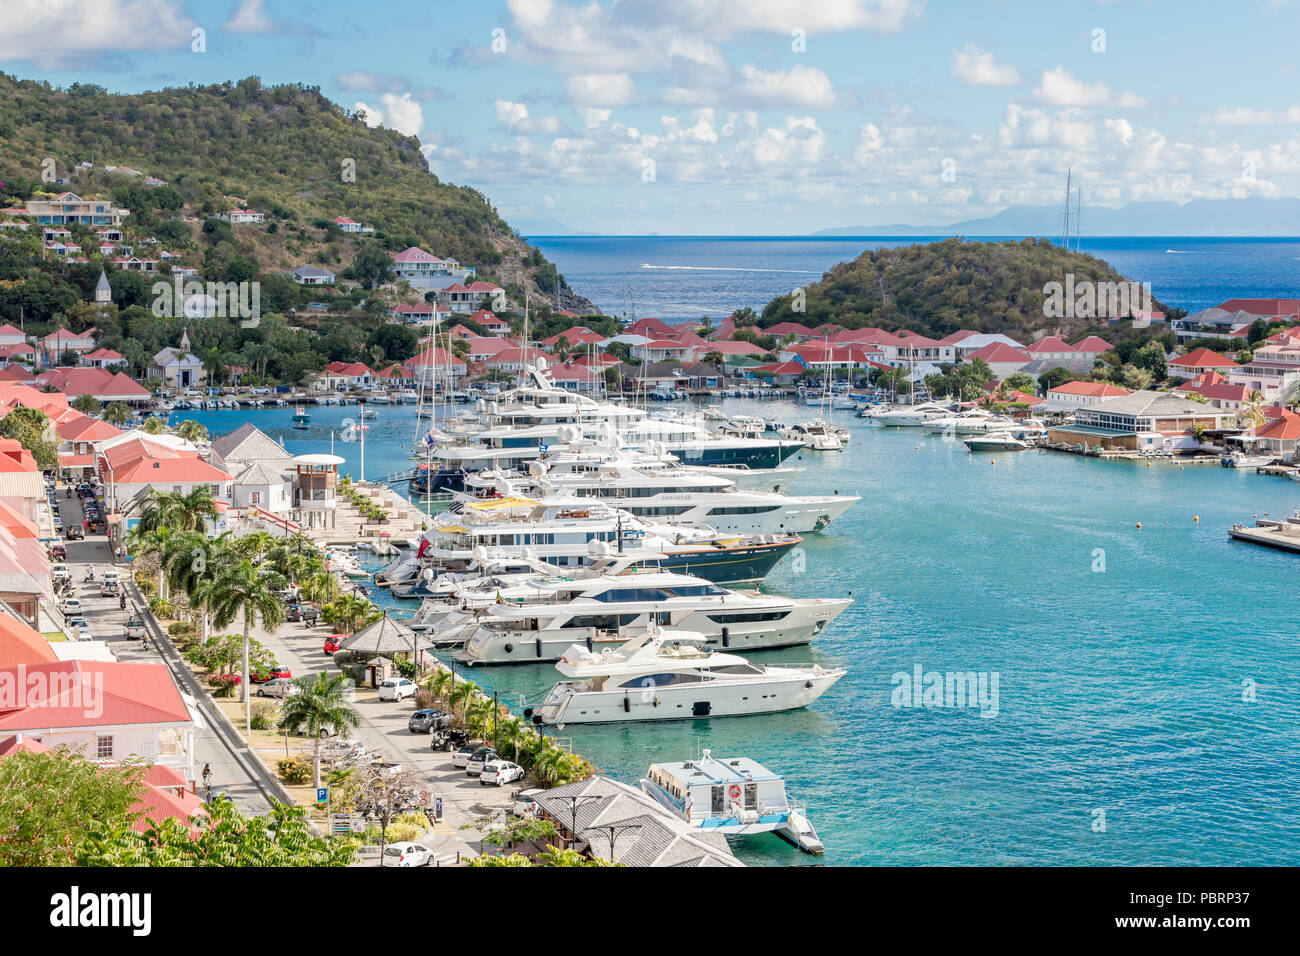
(1120, 690)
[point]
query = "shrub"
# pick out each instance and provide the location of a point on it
(406, 669)
(180, 629)
(407, 826)
(424, 699)
(263, 716)
(224, 685)
(294, 769)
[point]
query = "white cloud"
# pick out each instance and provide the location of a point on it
(515, 116)
(64, 32)
(802, 86)
(601, 89)
(364, 81)
(1249, 116)
(250, 17)
(1059, 87)
(974, 67)
(395, 112)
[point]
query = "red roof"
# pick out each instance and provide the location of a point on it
(578, 335)
(735, 348)
(1051, 343)
(961, 335)
(415, 254)
(788, 328)
(1203, 358)
(124, 693)
(1093, 344)
(1263, 307)
(22, 645)
(141, 461)
(1001, 353)
(1091, 389)
(348, 369)
(1285, 427)
(99, 382)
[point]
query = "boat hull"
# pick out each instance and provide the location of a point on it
(687, 702)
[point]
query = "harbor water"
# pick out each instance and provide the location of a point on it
(1147, 705)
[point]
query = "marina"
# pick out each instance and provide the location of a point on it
(960, 566)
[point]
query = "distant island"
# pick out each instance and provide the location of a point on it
(1199, 217)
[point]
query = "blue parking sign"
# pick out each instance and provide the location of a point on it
(322, 794)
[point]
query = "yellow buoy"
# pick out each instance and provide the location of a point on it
(1139, 524)
(1196, 517)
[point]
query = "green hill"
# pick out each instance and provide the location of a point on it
(283, 149)
(937, 288)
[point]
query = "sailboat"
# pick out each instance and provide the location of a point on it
(819, 434)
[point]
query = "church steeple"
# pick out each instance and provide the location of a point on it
(185, 340)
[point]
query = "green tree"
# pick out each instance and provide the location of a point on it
(86, 404)
(373, 265)
(192, 431)
(320, 704)
(117, 413)
(30, 427)
(244, 589)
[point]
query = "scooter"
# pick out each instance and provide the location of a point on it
(121, 603)
(90, 575)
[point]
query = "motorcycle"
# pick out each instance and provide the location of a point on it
(121, 603)
(90, 575)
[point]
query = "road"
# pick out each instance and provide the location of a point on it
(105, 619)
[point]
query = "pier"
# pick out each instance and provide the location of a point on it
(1280, 535)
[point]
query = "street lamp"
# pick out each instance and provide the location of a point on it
(574, 803)
(614, 831)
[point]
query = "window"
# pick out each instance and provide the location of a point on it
(748, 616)
(257, 498)
(104, 746)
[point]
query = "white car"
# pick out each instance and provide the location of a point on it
(406, 854)
(525, 802)
(72, 607)
(397, 688)
(276, 687)
(500, 772)
(60, 571)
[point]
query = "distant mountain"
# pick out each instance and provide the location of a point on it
(548, 227)
(1199, 217)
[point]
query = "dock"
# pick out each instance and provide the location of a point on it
(1279, 535)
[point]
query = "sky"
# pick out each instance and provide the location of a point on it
(746, 117)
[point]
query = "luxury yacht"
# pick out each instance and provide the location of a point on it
(972, 421)
(734, 796)
(671, 675)
(817, 435)
(907, 416)
(538, 619)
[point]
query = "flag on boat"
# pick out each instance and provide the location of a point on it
(799, 358)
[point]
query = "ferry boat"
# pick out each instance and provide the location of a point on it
(734, 796)
(538, 619)
(670, 675)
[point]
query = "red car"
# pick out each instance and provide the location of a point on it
(269, 673)
(334, 642)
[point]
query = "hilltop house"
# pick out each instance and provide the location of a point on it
(467, 299)
(310, 275)
(424, 270)
(351, 225)
(237, 216)
(67, 208)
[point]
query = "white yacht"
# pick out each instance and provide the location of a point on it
(670, 675)
(817, 435)
(734, 796)
(972, 421)
(570, 532)
(537, 620)
(908, 416)
(671, 494)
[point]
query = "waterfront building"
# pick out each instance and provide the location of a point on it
(1069, 396)
(315, 490)
(179, 367)
(1280, 435)
(1142, 421)
(1274, 370)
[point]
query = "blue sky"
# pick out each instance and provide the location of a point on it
(747, 116)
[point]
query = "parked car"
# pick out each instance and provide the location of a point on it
(499, 772)
(306, 613)
(406, 854)
(334, 642)
(476, 761)
(262, 675)
(275, 687)
(428, 720)
(60, 571)
(397, 688)
(448, 740)
(460, 757)
(525, 802)
(75, 533)
(72, 607)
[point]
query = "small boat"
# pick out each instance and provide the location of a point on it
(407, 397)
(378, 398)
(732, 796)
(380, 547)
(301, 419)
(995, 441)
(367, 414)
(1239, 459)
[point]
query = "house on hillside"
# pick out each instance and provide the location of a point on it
(311, 275)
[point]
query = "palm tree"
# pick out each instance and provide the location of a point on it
(460, 697)
(349, 612)
(182, 511)
(192, 431)
(320, 587)
(319, 704)
(1252, 411)
(150, 544)
(153, 426)
(244, 589)
(510, 731)
(117, 413)
(548, 763)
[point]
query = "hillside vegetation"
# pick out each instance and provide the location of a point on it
(939, 287)
(283, 149)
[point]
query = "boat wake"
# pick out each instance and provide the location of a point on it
(803, 272)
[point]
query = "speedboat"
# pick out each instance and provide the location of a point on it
(972, 421)
(995, 441)
(538, 619)
(817, 435)
(671, 675)
(734, 796)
